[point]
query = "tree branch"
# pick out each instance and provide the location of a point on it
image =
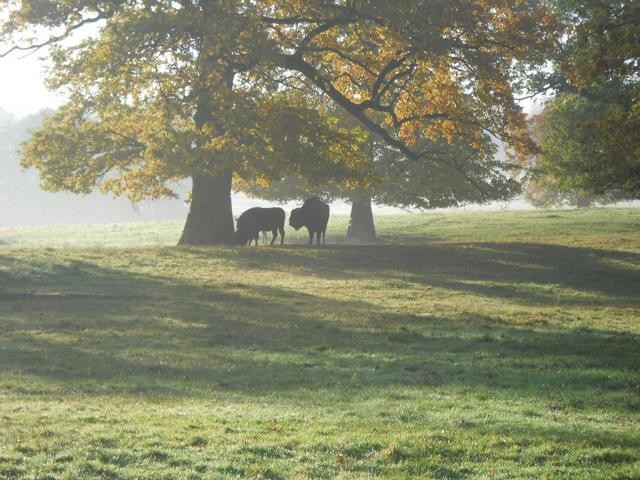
(297, 63)
(55, 38)
(388, 68)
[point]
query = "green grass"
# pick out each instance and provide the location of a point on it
(471, 345)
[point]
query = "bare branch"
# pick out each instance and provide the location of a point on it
(388, 68)
(344, 19)
(55, 38)
(292, 20)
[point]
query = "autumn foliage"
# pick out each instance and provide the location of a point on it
(162, 90)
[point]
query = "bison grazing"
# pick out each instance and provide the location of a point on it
(256, 220)
(314, 214)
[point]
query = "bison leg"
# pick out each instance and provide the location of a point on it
(310, 236)
(274, 232)
(323, 232)
(281, 235)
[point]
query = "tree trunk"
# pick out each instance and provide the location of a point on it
(361, 227)
(210, 219)
(583, 201)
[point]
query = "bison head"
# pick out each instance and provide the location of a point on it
(296, 219)
(240, 237)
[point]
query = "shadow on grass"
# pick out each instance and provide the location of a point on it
(501, 270)
(170, 337)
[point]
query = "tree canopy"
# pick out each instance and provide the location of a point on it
(210, 89)
(588, 133)
(457, 174)
(590, 145)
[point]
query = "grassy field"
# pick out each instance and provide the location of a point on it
(471, 345)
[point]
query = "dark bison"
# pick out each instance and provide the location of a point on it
(314, 214)
(256, 220)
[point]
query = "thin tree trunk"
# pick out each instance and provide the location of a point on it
(210, 219)
(361, 226)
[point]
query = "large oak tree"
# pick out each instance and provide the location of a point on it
(212, 89)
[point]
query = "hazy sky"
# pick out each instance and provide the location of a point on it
(22, 89)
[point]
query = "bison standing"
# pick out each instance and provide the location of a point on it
(314, 214)
(256, 220)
